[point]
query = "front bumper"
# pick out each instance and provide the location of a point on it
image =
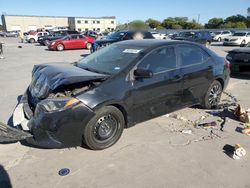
(229, 43)
(56, 129)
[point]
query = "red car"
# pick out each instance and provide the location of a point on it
(74, 41)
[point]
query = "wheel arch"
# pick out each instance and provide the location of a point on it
(124, 112)
(221, 81)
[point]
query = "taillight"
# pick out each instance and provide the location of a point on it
(227, 64)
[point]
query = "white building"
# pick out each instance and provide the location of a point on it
(98, 24)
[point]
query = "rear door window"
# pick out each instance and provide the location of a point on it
(74, 37)
(160, 60)
(191, 55)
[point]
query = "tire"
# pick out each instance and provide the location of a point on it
(88, 46)
(104, 129)
(213, 95)
(207, 44)
(32, 40)
(46, 42)
(60, 47)
(219, 39)
(243, 43)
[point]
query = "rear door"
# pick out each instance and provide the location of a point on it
(162, 93)
(81, 42)
(74, 42)
(197, 70)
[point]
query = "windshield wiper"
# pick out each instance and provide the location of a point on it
(93, 70)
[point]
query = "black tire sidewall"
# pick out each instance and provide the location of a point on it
(206, 104)
(88, 136)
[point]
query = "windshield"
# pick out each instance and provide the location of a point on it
(116, 35)
(111, 59)
(239, 34)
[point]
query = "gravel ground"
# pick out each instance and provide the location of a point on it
(156, 153)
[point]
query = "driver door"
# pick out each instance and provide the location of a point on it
(162, 92)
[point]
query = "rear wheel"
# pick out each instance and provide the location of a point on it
(46, 42)
(213, 95)
(60, 47)
(88, 46)
(104, 129)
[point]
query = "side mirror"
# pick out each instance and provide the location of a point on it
(142, 73)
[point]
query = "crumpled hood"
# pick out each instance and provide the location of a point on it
(58, 74)
(48, 77)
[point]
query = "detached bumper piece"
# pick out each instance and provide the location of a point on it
(10, 134)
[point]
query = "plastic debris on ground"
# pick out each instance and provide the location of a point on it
(186, 131)
(242, 114)
(207, 125)
(235, 152)
(64, 172)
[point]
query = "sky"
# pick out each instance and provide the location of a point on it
(128, 10)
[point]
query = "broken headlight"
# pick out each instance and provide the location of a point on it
(57, 104)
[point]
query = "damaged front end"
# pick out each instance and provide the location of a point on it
(49, 115)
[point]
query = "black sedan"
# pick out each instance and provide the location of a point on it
(120, 36)
(90, 102)
(46, 40)
(240, 59)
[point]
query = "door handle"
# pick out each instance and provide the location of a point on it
(177, 77)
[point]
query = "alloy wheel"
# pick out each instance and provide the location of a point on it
(214, 95)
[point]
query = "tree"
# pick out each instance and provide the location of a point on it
(214, 23)
(236, 18)
(235, 25)
(168, 23)
(193, 25)
(137, 24)
(1, 27)
(153, 23)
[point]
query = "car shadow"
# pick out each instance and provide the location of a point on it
(84, 55)
(216, 44)
(4, 178)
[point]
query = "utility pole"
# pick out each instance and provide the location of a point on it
(198, 20)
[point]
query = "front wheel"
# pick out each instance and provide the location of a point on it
(60, 47)
(104, 129)
(243, 43)
(213, 95)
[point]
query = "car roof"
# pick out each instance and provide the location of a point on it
(153, 43)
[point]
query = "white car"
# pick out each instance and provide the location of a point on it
(221, 35)
(33, 37)
(239, 38)
(157, 35)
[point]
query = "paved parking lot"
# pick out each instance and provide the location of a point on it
(152, 154)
